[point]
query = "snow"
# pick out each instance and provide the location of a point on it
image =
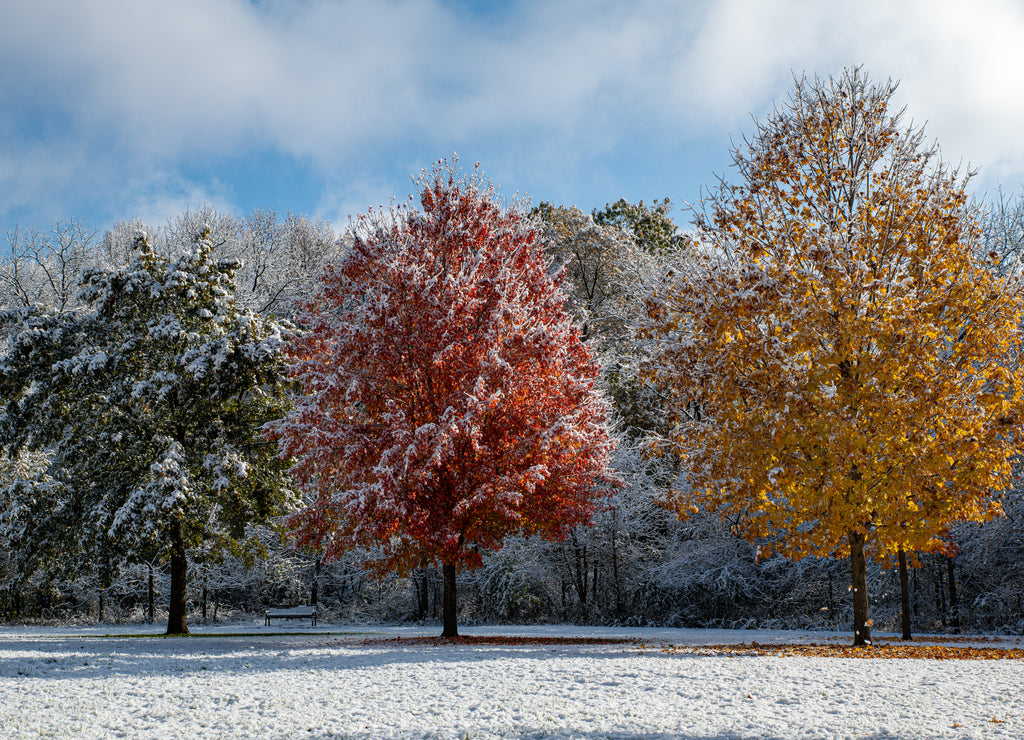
(246, 680)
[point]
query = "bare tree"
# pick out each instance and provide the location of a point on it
(44, 269)
(1003, 232)
(282, 260)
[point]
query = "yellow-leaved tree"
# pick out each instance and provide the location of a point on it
(841, 367)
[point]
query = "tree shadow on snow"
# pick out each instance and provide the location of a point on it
(104, 657)
(548, 734)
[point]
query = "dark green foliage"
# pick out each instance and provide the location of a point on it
(652, 227)
(149, 404)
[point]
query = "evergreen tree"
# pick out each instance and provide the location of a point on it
(150, 402)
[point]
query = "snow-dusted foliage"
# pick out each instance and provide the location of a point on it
(448, 398)
(73, 550)
(839, 364)
(279, 259)
(609, 267)
(42, 269)
(148, 403)
(606, 271)
(593, 574)
(988, 562)
(1003, 232)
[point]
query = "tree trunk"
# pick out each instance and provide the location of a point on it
(99, 609)
(831, 600)
(314, 591)
(580, 570)
(449, 602)
(422, 595)
(179, 575)
(954, 604)
(917, 594)
(151, 596)
(905, 595)
(859, 573)
(615, 564)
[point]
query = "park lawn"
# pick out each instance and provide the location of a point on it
(555, 681)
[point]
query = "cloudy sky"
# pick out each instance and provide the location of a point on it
(114, 109)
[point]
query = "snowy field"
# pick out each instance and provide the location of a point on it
(249, 681)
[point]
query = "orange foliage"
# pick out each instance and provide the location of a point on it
(448, 399)
(902, 651)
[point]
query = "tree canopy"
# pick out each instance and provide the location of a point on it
(842, 370)
(447, 397)
(651, 227)
(148, 404)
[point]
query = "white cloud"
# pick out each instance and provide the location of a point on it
(960, 64)
(158, 201)
(342, 201)
(143, 84)
(743, 54)
(963, 70)
(31, 176)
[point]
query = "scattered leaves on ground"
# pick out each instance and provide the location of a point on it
(905, 651)
(880, 650)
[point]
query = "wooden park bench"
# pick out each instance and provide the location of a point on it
(293, 612)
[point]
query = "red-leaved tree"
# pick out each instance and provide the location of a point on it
(448, 400)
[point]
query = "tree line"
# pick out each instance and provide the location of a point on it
(590, 417)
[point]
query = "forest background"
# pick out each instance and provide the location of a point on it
(636, 565)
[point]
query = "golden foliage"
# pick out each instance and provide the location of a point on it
(836, 358)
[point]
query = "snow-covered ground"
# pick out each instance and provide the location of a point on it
(249, 681)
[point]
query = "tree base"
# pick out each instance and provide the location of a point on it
(859, 586)
(449, 619)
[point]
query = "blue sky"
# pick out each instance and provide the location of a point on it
(116, 109)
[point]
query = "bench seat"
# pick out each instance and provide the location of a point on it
(293, 612)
